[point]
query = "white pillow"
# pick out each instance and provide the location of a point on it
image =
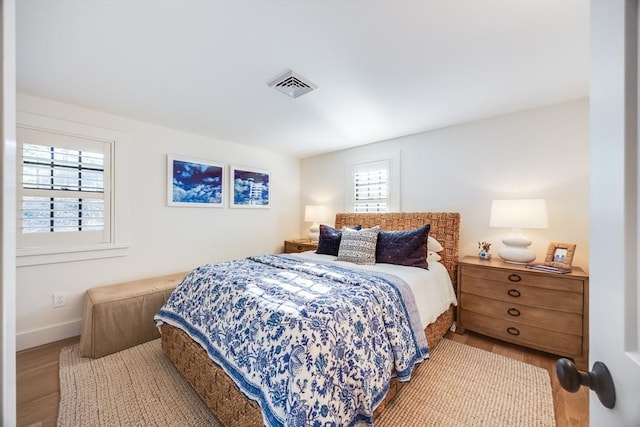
(433, 245)
(359, 246)
(433, 257)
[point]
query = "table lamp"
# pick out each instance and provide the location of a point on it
(315, 214)
(518, 214)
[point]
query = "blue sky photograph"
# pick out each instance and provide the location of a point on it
(197, 182)
(250, 188)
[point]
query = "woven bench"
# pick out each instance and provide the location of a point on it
(120, 316)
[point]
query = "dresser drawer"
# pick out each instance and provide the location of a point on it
(517, 293)
(559, 282)
(292, 246)
(569, 323)
(530, 336)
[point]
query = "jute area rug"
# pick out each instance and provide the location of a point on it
(459, 386)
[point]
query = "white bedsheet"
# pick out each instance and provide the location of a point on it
(432, 288)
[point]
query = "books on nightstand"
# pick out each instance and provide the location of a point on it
(548, 268)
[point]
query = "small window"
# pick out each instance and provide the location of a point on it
(371, 187)
(64, 189)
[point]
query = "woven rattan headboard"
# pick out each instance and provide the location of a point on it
(445, 227)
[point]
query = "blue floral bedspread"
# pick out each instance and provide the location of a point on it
(313, 343)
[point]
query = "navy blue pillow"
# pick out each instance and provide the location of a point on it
(407, 247)
(329, 240)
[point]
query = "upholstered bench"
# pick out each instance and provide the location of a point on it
(120, 316)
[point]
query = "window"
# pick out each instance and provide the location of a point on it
(371, 187)
(64, 189)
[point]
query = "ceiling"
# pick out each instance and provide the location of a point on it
(385, 69)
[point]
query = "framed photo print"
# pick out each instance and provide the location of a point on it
(560, 255)
(250, 187)
(195, 182)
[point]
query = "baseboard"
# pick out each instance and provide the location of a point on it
(41, 336)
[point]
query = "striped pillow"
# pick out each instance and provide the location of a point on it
(359, 246)
(329, 239)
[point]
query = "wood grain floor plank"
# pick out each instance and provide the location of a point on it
(38, 385)
(42, 411)
(38, 356)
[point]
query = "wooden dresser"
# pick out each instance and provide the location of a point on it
(545, 311)
(299, 245)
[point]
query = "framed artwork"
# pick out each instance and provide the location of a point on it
(250, 187)
(195, 182)
(560, 255)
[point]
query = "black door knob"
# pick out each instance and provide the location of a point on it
(598, 380)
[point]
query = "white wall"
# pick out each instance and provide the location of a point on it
(540, 153)
(162, 239)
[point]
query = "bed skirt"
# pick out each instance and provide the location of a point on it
(224, 398)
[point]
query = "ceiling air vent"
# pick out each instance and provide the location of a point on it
(293, 84)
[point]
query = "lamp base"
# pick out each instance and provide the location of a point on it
(314, 232)
(516, 255)
(516, 249)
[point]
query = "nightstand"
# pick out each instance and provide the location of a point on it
(545, 311)
(299, 245)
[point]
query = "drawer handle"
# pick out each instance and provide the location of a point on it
(513, 292)
(299, 247)
(513, 331)
(514, 312)
(514, 278)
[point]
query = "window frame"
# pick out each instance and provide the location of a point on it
(56, 247)
(48, 138)
(364, 168)
(392, 160)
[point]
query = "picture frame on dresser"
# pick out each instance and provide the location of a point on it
(560, 255)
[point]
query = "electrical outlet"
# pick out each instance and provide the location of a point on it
(59, 299)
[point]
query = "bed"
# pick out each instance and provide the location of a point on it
(213, 382)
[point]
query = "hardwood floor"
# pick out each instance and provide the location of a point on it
(37, 384)
(38, 388)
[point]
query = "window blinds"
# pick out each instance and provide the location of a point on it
(63, 189)
(371, 187)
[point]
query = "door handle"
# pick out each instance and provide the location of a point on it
(598, 380)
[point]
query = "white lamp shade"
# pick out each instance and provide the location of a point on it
(315, 213)
(518, 213)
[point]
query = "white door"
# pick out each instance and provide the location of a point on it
(614, 319)
(7, 216)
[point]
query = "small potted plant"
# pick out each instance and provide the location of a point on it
(484, 250)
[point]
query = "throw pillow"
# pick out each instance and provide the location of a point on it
(433, 257)
(359, 246)
(433, 245)
(406, 247)
(329, 239)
